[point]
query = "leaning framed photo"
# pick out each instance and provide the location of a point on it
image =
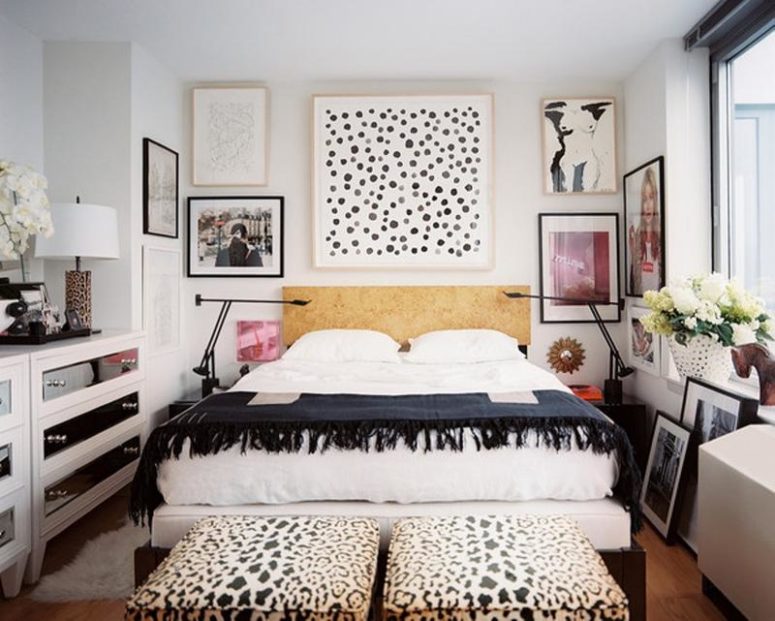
(579, 145)
(665, 476)
(711, 411)
(160, 190)
(644, 228)
(579, 259)
(235, 236)
(403, 182)
(230, 135)
(644, 348)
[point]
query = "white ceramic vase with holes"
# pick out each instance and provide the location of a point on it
(702, 357)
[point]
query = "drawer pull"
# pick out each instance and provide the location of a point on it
(129, 405)
(2, 534)
(129, 362)
(56, 493)
(131, 450)
(56, 438)
(56, 383)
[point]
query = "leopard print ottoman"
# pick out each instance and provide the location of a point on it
(505, 567)
(255, 569)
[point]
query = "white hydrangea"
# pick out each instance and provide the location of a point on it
(684, 299)
(24, 208)
(712, 287)
(690, 323)
(742, 334)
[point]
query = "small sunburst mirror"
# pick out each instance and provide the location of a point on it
(566, 355)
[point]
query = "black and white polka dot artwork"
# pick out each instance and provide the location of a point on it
(403, 181)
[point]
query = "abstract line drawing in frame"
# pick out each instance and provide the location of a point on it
(579, 258)
(230, 135)
(161, 299)
(160, 190)
(258, 341)
(403, 181)
(644, 348)
(579, 145)
(235, 236)
(644, 228)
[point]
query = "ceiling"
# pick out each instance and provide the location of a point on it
(271, 40)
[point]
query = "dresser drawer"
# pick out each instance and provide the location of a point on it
(14, 459)
(5, 397)
(69, 433)
(12, 398)
(7, 527)
(68, 379)
(67, 489)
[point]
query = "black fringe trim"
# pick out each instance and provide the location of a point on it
(558, 433)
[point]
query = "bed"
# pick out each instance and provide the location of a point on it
(452, 469)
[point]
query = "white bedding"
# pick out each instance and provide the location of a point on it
(402, 476)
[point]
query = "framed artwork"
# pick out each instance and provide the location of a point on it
(579, 145)
(235, 236)
(230, 135)
(258, 341)
(644, 348)
(161, 299)
(403, 181)
(579, 259)
(711, 412)
(665, 477)
(160, 190)
(644, 228)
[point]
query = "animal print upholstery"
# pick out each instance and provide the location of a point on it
(505, 567)
(261, 569)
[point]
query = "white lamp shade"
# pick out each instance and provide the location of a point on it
(80, 230)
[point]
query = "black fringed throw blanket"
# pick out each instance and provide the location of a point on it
(315, 422)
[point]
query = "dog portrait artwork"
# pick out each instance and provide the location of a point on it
(579, 145)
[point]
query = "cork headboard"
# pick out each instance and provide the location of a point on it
(406, 312)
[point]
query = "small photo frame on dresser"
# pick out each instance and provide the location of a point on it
(665, 476)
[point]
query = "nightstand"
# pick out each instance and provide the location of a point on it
(630, 415)
(186, 401)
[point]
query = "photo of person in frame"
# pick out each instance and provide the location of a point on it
(644, 239)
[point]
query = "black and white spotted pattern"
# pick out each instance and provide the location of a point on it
(259, 569)
(504, 567)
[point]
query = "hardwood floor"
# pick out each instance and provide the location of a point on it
(673, 588)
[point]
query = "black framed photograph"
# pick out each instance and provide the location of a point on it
(579, 259)
(644, 228)
(711, 411)
(665, 475)
(74, 320)
(160, 190)
(230, 236)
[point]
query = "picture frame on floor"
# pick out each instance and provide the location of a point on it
(665, 476)
(160, 190)
(644, 348)
(579, 259)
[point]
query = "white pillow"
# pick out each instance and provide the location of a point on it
(344, 346)
(463, 346)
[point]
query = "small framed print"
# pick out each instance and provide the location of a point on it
(644, 347)
(160, 190)
(234, 236)
(579, 260)
(73, 320)
(644, 228)
(258, 341)
(665, 477)
(711, 411)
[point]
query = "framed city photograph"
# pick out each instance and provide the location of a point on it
(644, 228)
(711, 412)
(644, 348)
(235, 236)
(160, 190)
(665, 476)
(579, 259)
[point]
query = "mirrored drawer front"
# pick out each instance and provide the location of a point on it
(5, 461)
(71, 432)
(5, 397)
(64, 491)
(6, 527)
(69, 379)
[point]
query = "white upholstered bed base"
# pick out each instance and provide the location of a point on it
(605, 521)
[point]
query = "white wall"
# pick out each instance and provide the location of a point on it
(518, 195)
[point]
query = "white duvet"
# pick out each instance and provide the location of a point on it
(400, 475)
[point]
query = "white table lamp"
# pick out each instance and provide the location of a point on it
(81, 231)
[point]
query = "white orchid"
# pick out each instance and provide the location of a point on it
(24, 208)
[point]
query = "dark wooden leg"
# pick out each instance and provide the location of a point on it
(147, 558)
(628, 568)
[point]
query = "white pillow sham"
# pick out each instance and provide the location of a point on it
(344, 346)
(455, 346)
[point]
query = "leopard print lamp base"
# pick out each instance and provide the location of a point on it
(78, 294)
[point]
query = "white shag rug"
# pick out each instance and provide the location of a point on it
(103, 569)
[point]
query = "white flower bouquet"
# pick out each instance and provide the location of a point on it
(24, 208)
(709, 306)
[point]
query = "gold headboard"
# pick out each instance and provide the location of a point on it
(406, 312)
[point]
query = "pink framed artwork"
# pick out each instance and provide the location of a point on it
(258, 341)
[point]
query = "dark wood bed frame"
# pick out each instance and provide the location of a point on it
(626, 565)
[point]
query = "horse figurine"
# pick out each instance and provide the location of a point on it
(758, 357)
